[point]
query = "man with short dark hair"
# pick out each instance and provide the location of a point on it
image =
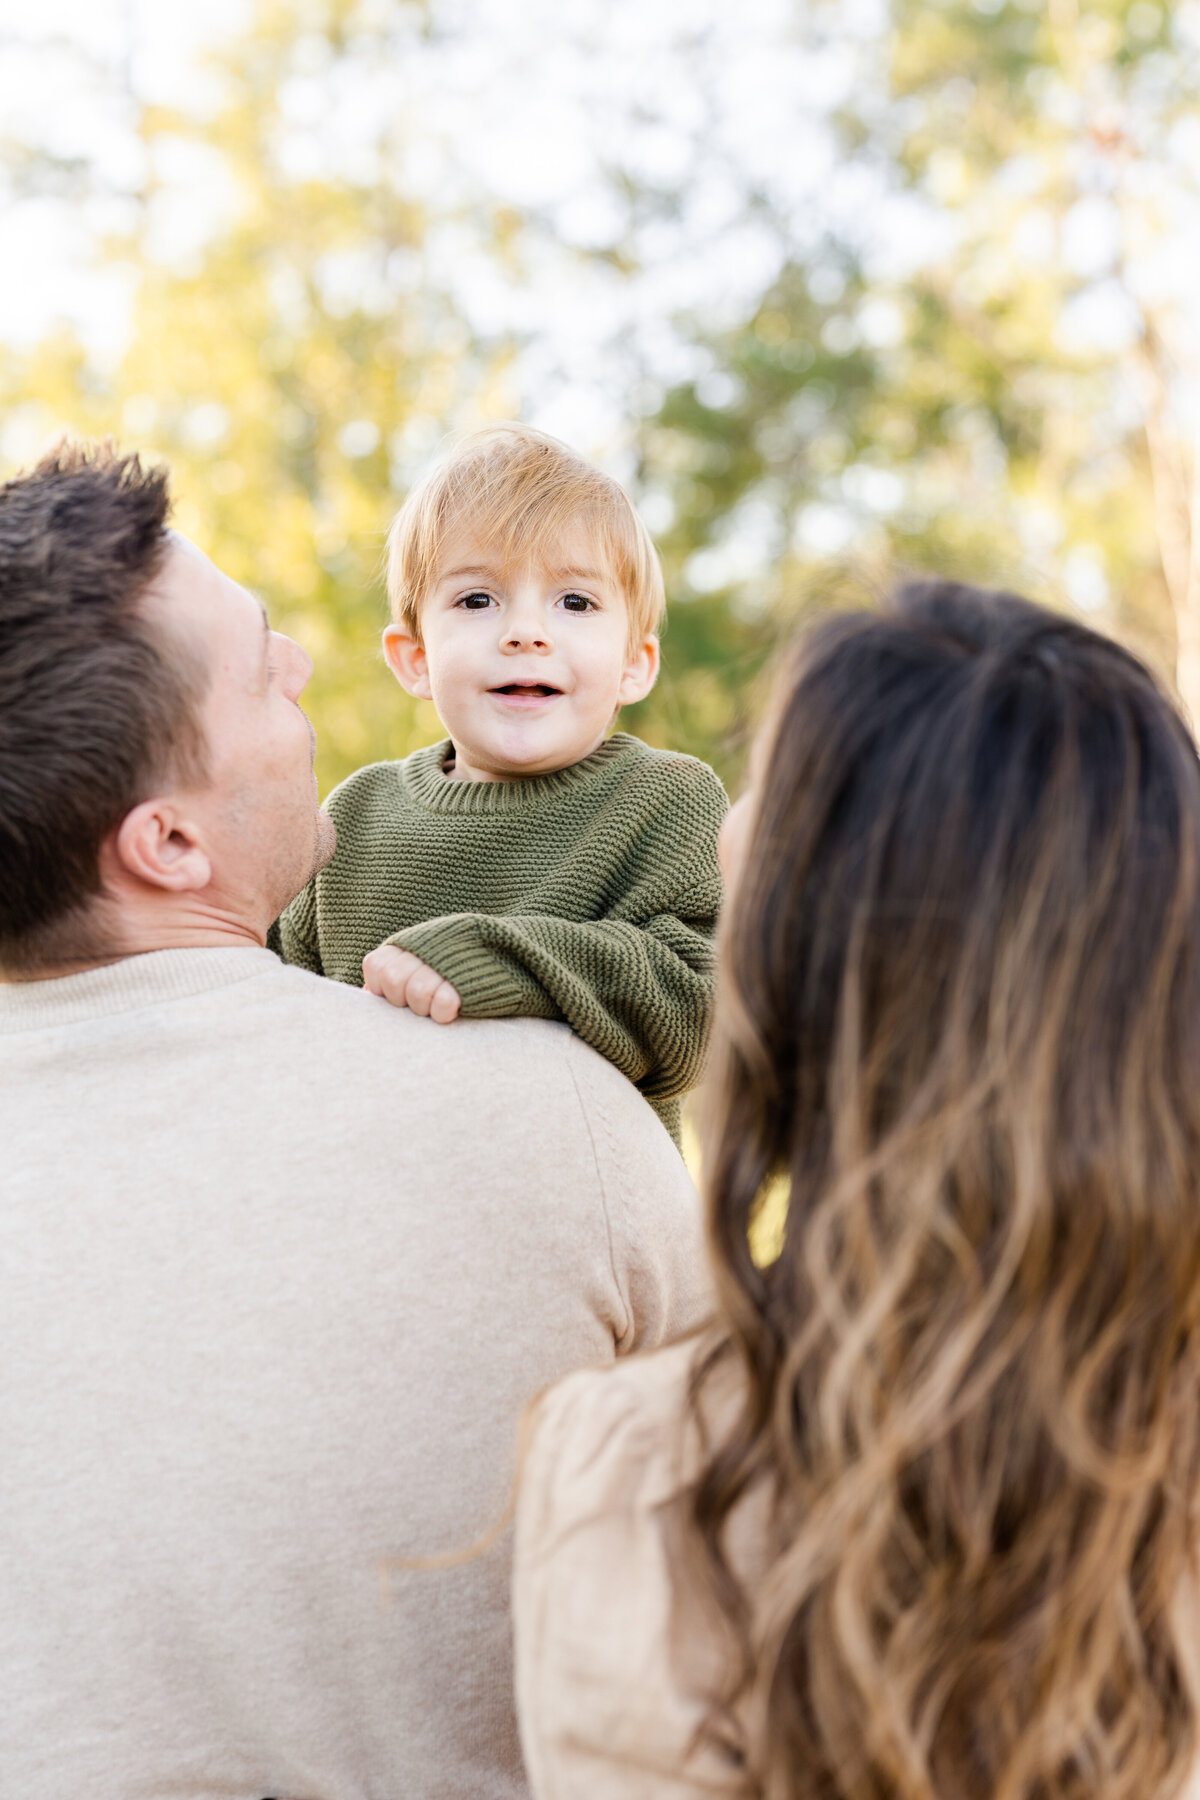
(279, 1265)
(129, 821)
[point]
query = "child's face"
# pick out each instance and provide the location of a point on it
(526, 666)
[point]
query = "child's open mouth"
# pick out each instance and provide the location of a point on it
(528, 691)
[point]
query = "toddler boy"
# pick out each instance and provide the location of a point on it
(529, 864)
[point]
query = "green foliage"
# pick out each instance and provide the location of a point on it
(279, 373)
(950, 413)
(955, 418)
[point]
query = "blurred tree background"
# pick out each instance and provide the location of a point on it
(838, 289)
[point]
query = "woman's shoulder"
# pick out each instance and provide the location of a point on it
(615, 1434)
(602, 1692)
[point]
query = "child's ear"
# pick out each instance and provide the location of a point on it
(407, 660)
(640, 672)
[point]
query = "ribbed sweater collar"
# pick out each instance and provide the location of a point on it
(125, 986)
(423, 780)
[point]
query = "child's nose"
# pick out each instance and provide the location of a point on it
(525, 634)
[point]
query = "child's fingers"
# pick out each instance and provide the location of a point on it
(388, 971)
(445, 1004)
(423, 984)
(403, 979)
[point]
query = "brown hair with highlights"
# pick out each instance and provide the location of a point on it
(518, 492)
(96, 704)
(960, 1019)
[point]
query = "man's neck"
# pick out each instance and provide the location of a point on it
(56, 971)
(194, 929)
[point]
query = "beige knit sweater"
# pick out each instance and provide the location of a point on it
(280, 1267)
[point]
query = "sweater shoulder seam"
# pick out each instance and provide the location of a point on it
(605, 1209)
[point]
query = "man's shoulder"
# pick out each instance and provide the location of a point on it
(342, 1007)
(538, 1063)
(518, 1107)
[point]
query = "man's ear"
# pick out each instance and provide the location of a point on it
(159, 845)
(640, 672)
(407, 660)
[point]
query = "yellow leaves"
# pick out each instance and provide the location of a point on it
(773, 327)
(276, 373)
(769, 1222)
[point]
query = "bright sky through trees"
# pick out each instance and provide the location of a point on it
(837, 285)
(547, 110)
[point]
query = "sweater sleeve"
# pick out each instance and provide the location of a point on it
(294, 935)
(615, 1665)
(639, 994)
(635, 984)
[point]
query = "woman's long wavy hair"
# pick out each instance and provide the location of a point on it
(961, 1019)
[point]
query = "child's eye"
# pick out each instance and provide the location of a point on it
(578, 603)
(474, 602)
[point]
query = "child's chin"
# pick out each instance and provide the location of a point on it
(535, 765)
(525, 756)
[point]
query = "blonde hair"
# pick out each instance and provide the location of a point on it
(960, 1015)
(519, 490)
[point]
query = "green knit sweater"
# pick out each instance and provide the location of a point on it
(588, 895)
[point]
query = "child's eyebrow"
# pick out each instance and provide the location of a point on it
(478, 571)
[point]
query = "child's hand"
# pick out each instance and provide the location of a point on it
(399, 976)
